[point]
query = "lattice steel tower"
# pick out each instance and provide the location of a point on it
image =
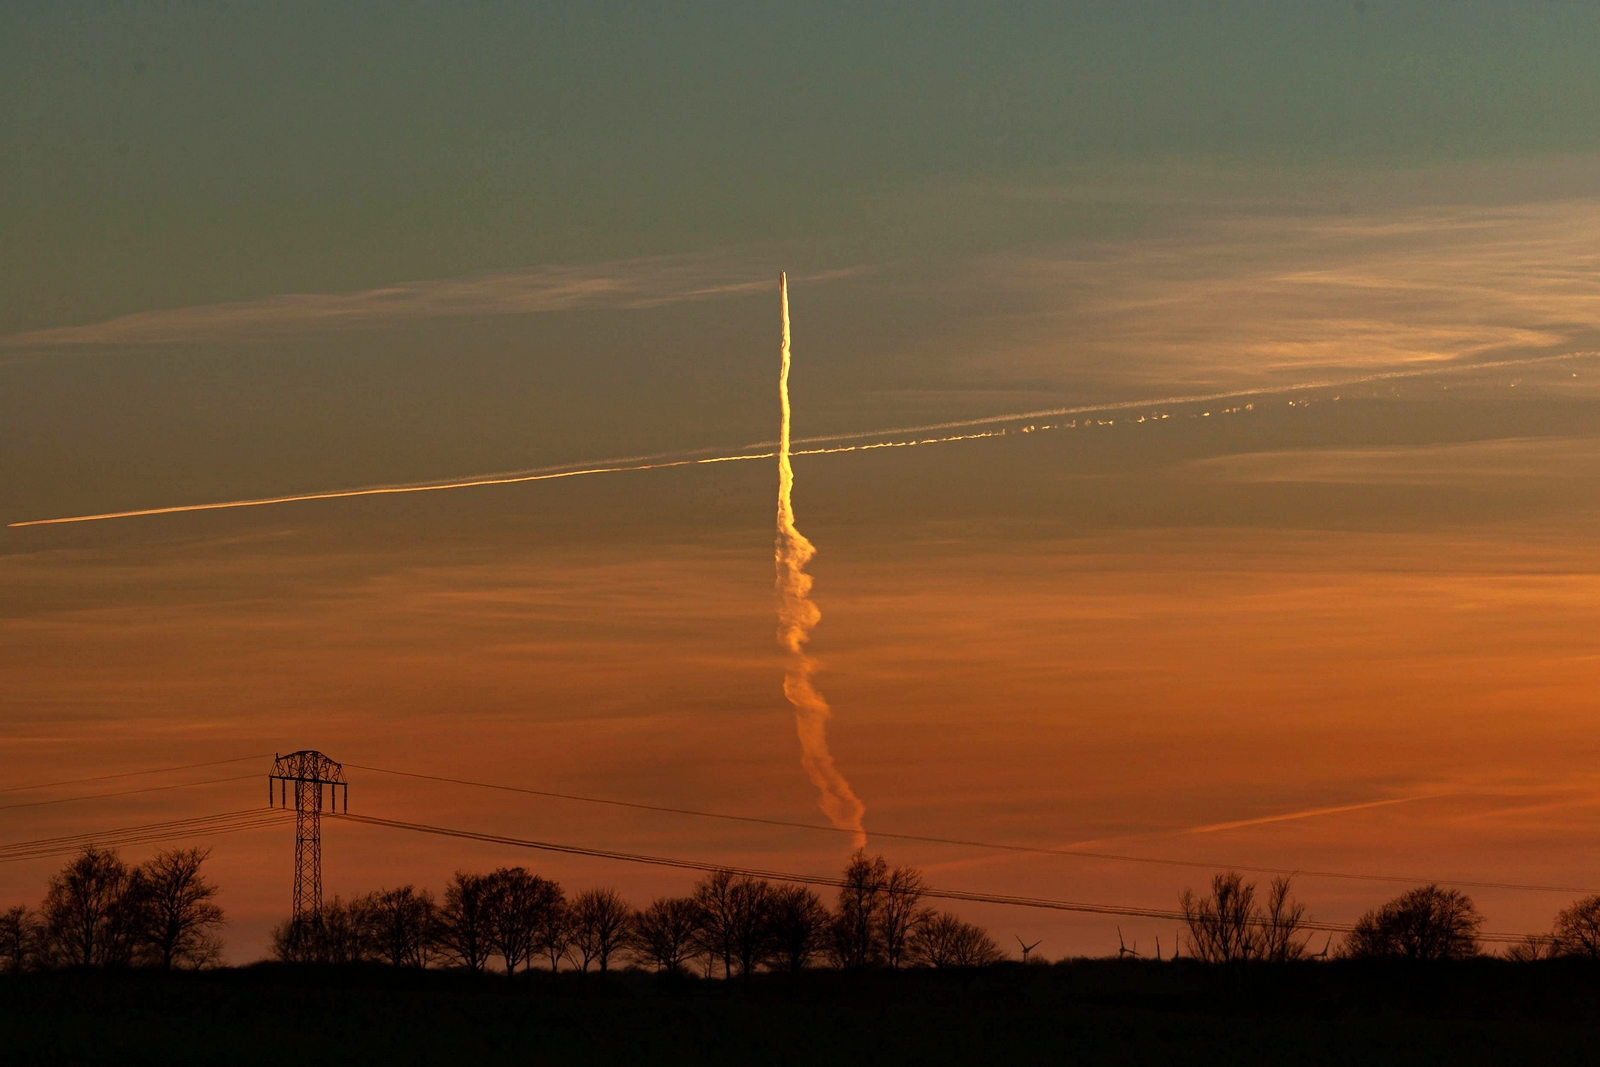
(310, 772)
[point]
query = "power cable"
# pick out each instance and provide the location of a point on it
(996, 846)
(933, 893)
(125, 792)
(202, 826)
(127, 774)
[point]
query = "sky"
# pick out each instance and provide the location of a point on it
(1335, 616)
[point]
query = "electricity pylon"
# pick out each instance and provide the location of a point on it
(310, 771)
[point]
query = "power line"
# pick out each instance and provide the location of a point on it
(129, 774)
(969, 843)
(933, 893)
(200, 826)
(124, 792)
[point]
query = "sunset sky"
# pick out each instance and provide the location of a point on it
(1344, 620)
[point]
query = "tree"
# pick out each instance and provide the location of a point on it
(519, 908)
(556, 933)
(943, 940)
(177, 918)
(750, 933)
(855, 942)
(1228, 926)
(463, 921)
(1577, 929)
(401, 925)
(667, 933)
(601, 925)
(902, 891)
(1281, 937)
(90, 911)
(341, 933)
(718, 903)
(1534, 947)
(799, 920)
(1220, 927)
(1426, 923)
(19, 939)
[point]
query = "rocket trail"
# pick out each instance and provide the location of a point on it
(661, 460)
(796, 616)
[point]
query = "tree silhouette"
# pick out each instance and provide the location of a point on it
(1577, 929)
(855, 942)
(667, 933)
(1228, 926)
(1220, 928)
(176, 917)
(19, 939)
(1426, 923)
(556, 933)
(89, 911)
(342, 933)
(750, 930)
(944, 940)
(401, 924)
(719, 916)
(897, 912)
(519, 908)
(463, 921)
(600, 926)
(799, 921)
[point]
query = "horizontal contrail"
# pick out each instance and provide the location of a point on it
(1200, 398)
(661, 460)
(509, 479)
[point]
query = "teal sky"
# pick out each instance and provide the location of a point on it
(158, 155)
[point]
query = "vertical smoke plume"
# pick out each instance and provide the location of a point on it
(796, 616)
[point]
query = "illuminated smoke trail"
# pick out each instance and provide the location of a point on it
(796, 616)
(661, 460)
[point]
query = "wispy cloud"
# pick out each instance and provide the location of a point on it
(1252, 298)
(624, 284)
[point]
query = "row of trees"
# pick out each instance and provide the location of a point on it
(511, 919)
(99, 912)
(1426, 923)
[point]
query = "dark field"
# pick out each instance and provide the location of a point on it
(1082, 1012)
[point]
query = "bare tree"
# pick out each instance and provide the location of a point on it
(799, 921)
(556, 933)
(90, 911)
(463, 921)
(944, 940)
(177, 917)
(667, 933)
(1426, 923)
(601, 926)
(855, 940)
(1534, 947)
(751, 931)
(519, 907)
(341, 933)
(719, 907)
(1220, 925)
(902, 892)
(1577, 929)
(401, 924)
(19, 939)
(1281, 935)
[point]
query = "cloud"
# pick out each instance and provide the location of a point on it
(1481, 465)
(1263, 298)
(623, 284)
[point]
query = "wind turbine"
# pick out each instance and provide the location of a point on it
(1123, 949)
(1026, 948)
